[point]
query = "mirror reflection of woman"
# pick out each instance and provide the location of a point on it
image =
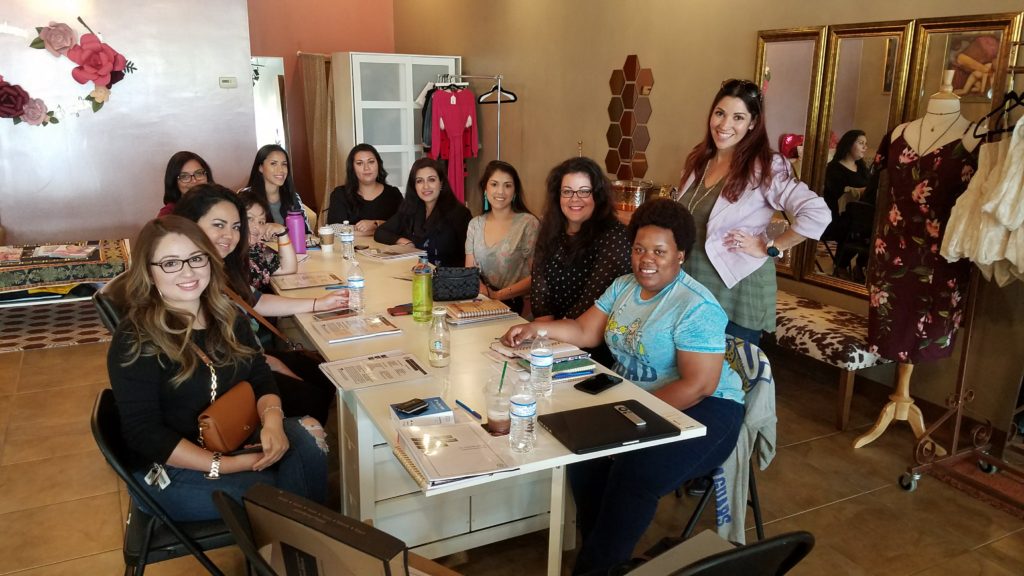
(501, 240)
(847, 173)
(733, 183)
(366, 199)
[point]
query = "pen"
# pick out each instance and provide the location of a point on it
(470, 410)
(335, 287)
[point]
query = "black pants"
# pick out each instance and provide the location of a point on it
(311, 395)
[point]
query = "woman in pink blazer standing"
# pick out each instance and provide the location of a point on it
(733, 183)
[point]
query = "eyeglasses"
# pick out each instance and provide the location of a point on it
(185, 177)
(754, 89)
(172, 265)
(581, 193)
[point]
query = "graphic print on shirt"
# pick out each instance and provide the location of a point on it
(629, 339)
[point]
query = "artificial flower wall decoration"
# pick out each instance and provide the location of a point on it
(96, 61)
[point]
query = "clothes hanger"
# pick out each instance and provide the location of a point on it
(1014, 100)
(493, 95)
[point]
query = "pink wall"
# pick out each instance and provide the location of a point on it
(321, 26)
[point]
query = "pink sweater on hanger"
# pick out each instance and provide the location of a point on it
(458, 139)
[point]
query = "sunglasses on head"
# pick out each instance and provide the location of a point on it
(732, 83)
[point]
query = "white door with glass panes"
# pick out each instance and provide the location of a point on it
(385, 112)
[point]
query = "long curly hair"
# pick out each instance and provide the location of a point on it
(554, 223)
(752, 160)
(158, 330)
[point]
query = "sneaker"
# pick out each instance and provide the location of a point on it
(698, 486)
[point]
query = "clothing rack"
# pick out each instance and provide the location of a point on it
(441, 78)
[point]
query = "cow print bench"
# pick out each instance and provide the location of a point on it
(830, 334)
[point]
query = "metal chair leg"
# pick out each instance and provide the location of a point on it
(704, 499)
(755, 503)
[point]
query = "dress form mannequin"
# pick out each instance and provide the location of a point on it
(941, 125)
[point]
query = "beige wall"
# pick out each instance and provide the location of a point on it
(558, 57)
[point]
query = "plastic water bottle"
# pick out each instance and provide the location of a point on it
(523, 414)
(296, 226)
(356, 282)
(422, 291)
(348, 238)
(541, 359)
(440, 352)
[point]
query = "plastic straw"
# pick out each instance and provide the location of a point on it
(502, 381)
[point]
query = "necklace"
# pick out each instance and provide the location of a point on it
(920, 136)
(694, 201)
(942, 114)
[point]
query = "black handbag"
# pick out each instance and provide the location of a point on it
(455, 283)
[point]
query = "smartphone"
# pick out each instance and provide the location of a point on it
(597, 383)
(334, 314)
(247, 450)
(400, 310)
(412, 406)
(360, 247)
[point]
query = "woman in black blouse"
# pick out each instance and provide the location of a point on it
(581, 246)
(846, 173)
(172, 308)
(430, 217)
(365, 200)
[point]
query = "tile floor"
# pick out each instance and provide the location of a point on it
(61, 508)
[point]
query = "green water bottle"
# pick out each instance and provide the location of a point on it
(422, 291)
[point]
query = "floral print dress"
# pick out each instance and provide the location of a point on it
(916, 296)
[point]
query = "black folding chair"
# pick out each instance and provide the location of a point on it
(109, 315)
(771, 557)
(151, 538)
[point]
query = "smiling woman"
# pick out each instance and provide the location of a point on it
(271, 179)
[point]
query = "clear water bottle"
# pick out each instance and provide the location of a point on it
(440, 353)
(348, 238)
(296, 226)
(356, 284)
(541, 360)
(422, 291)
(522, 412)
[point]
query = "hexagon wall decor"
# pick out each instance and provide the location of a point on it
(629, 111)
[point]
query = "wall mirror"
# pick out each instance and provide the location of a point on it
(976, 48)
(862, 99)
(788, 69)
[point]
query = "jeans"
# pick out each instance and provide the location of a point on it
(746, 334)
(302, 470)
(616, 497)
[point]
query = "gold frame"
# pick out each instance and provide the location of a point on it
(890, 60)
(897, 100)
(816, 33)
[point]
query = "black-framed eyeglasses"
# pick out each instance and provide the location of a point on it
(185, 177)
(581, 193)
(172, 265)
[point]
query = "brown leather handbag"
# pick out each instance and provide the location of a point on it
(230, 419)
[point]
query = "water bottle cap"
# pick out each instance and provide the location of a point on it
(542, 332)
(344, 221)
(440, 310)
(296, 212)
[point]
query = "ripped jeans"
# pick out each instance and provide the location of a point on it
(302, 470)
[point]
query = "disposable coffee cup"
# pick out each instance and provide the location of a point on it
(498, 421)
(327, 239)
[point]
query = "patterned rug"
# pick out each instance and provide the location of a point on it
(50, 326)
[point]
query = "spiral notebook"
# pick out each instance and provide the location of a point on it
(477, 309)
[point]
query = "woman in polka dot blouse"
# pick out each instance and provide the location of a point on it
(581, 246)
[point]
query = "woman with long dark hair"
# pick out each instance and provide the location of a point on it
(430, 217)
(271, 179)
(172, 308)
(366, 199)
(733, 183)
(184, 170)
(501, 240)
(847, 172)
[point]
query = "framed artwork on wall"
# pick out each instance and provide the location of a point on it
(889, 69)
(972, 56)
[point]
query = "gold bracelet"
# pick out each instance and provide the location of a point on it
(288, 243)
(263, 416)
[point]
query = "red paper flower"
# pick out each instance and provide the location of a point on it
(96, 61)
(12, 99)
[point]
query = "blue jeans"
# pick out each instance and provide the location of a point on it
(745, 334)
(616, 497)
(302, 470)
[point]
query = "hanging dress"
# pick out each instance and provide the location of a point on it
(916, 297)
(454, 134)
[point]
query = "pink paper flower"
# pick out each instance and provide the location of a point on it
(12, 99)
(96, 61)
(34, 112)
(58, 38)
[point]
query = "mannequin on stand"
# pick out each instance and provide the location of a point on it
(916, 296)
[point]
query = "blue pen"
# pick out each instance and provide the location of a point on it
(470, 410)
(335, 287)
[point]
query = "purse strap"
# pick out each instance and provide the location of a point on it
(259, 318)
(209, 364)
